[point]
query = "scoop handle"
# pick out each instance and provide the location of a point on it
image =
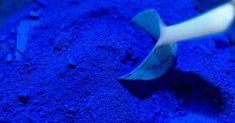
(215, 21)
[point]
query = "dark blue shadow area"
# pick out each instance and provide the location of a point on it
(205, 5)
(10, 7)
(198, 94)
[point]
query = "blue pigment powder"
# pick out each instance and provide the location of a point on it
(71, 63)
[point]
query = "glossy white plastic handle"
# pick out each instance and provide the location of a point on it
(215, 21)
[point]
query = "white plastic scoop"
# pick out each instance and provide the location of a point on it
(163, 55)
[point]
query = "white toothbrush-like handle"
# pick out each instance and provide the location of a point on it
(215, 21)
